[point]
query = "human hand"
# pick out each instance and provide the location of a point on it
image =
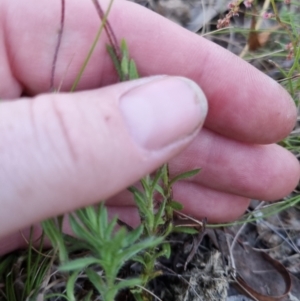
(64, 151)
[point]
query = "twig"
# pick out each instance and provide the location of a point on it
(189, 218)
(288, 240)
(242, 228)
(231, 247)
(257, 26)
(196, 242)
(103, 25)
(149, 292)
(108, 29)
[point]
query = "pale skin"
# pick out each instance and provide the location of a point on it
(59, 152)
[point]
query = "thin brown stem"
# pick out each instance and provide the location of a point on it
(109, 31)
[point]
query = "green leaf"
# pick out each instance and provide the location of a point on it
(150, 242)
(145, 183)
(184, 175)
(139, 198)
(159, 189)
(157, 178)
(91, 216)
(128, 283)
(188, 230)
(114, 59)
(10, 285)
(175, 205)
(88, 219)
(158, 218)
(109, 229)
(118, 242)
(60, 222)
(103, 221)
(124, 49)
(134, 235)
(125, 67)
(97, 281)
(139, 259)
(166, 248)
(168, 229)
(78, 264)
(165, 175)
(81, 232)
(133, 73)
(70, 287)
(56, 238)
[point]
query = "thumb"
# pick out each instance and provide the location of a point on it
(64, 151)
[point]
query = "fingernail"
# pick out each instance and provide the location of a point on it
(163, 111)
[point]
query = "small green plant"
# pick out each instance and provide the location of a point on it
(108, 250)
(157, 218)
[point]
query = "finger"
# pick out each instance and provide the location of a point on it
(198, 202)
(265, 172)
(202, 202)
(64, 151)
(244, 103)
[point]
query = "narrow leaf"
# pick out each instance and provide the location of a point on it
(128, 283)
(140, 259)
(140, 201)
(159, 189)
(166, 248)
(124, 67)
(56, 238)
(184, 175)
(81, 232)
(157, 178)
(133, 73)
(114, 59)
(134, 235)
(97, 281)
(175, 205)
(150, 242)
(103, 220)
(124, 49)
(158, 218)
(187, 230)
(70, 287)
(78, 264)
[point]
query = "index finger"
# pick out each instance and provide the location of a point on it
(244, 104)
